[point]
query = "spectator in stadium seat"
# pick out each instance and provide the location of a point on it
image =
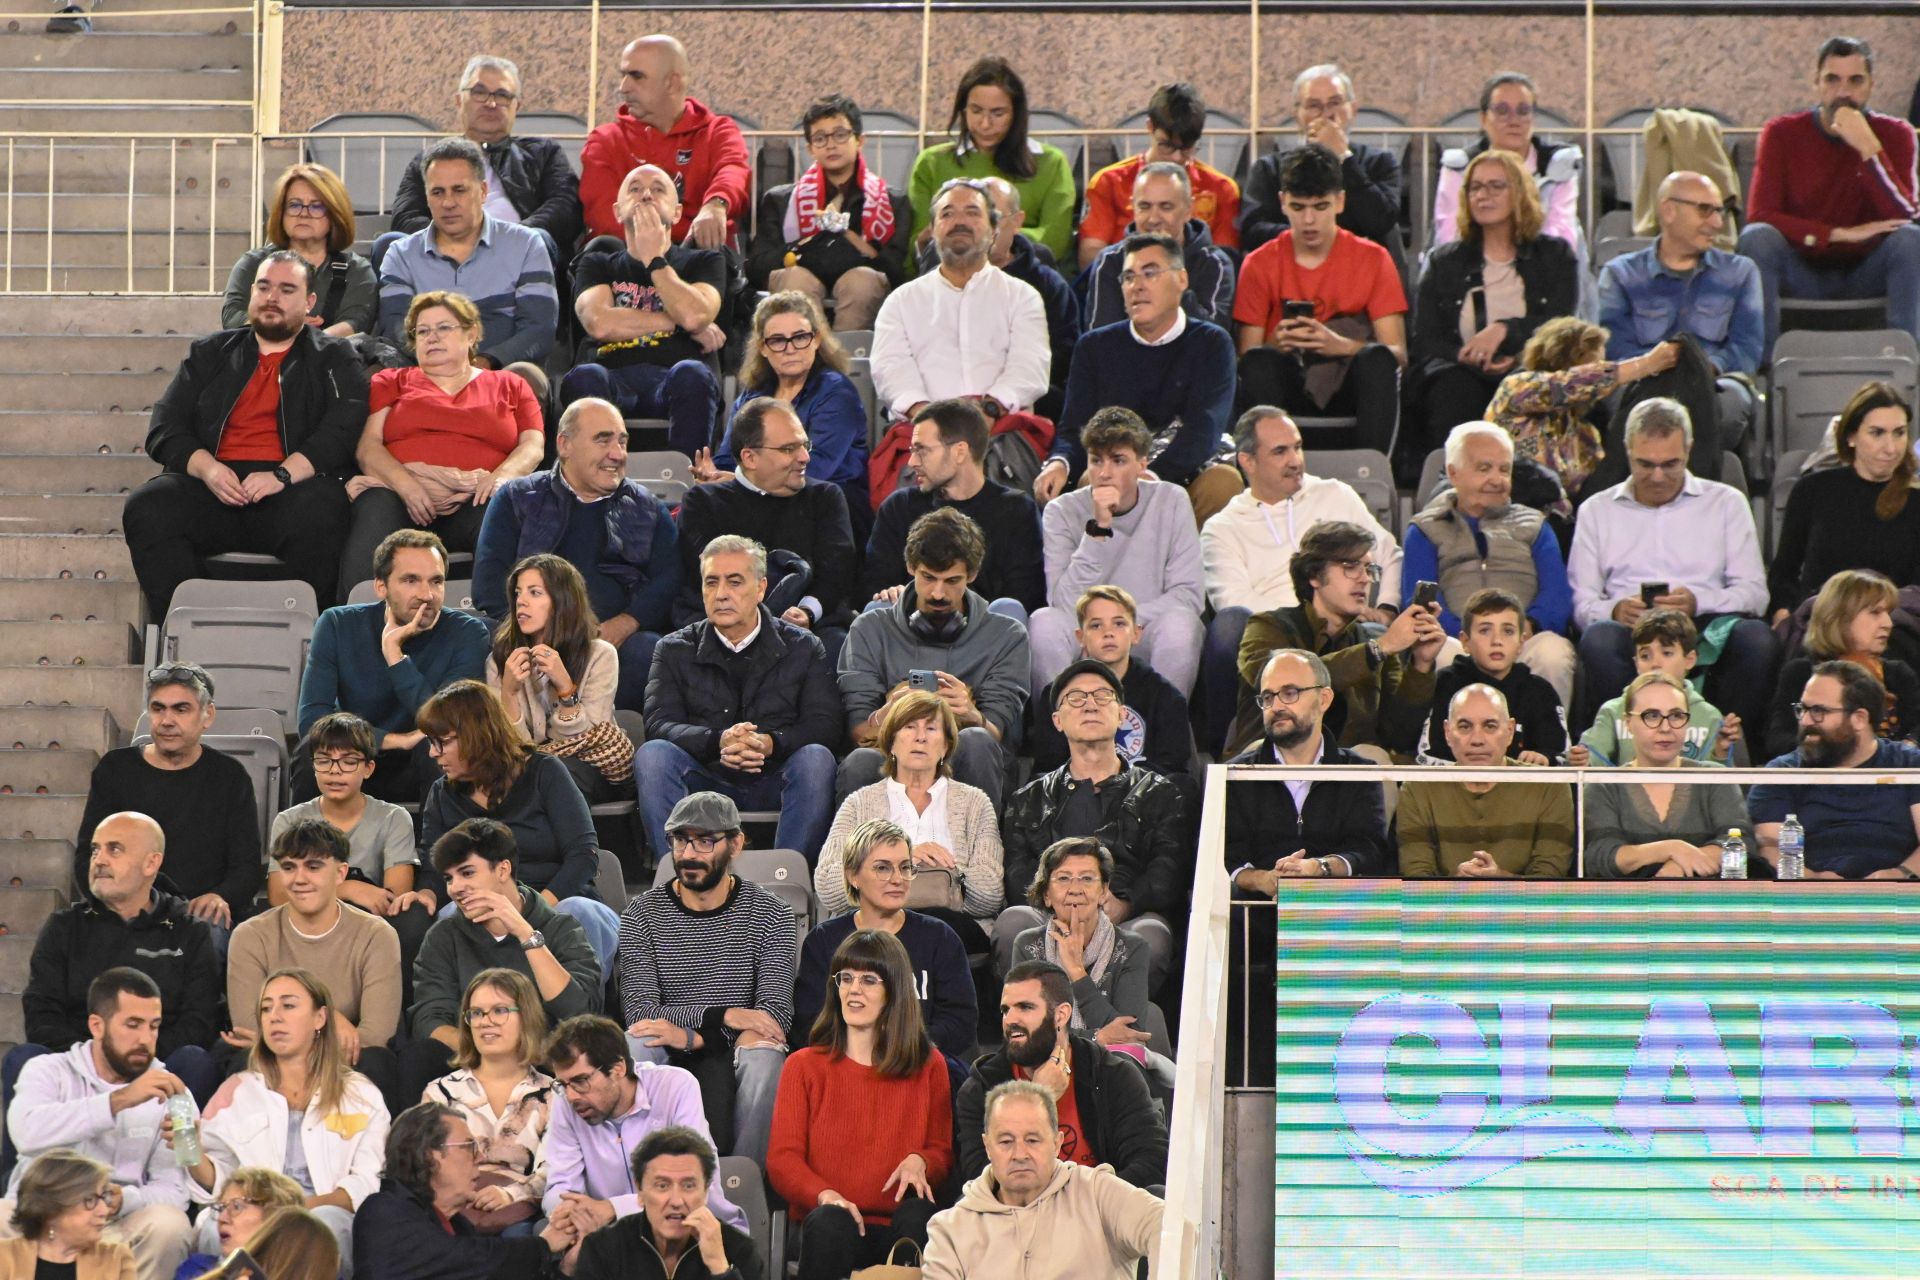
(1324, 108)
(1473, 535)
(659, 125)
(529, 180)
(1695, 541)
(863, 1126)
(1831, 208)
(1507, 108)
(252, 435)
(1321, 317)
(380, 859)
(1852, 619)
(1491, 626)
(673, 1170)
(770, 498)
(979, 658)
(1382, 685)
(990, 118)
(103, 1100)
(201, 798)
(1663, 640)
(1125, 530)
(1852, 833)
(949, 456)
(614, 1104)
(1483, 296)
(877, 873)
(356, 954)
(648, 310)
(706, 973)
(1643, 830)
(247, 1199)
(1163, 206)
(1175, 371)
(1176, 117)
(586, 510)
(1682, 284)
(1858, 515)
(503, 266)
(380, 661)
(440, 439)
(950, 825)
(1144, 821)
(1023, 260)
(1154, 730)
(743, 704)
(1106, 962)
(310, 213)
(840, 229)
(1484, 829)
(57, 1217)
(1111, 1117)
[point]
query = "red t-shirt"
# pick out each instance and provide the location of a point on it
(1357, 278)
(252, 432)
(1216, 202)
(473, 431)
(1073, 1135)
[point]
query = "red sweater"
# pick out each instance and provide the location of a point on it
(1806, 182)
(703, 153)
(839, 1126)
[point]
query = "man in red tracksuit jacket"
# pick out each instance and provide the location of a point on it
(700, 149)
(1832, 209)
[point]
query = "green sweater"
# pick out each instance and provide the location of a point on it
(1047, 196)
(1527, 829)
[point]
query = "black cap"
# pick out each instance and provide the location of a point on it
(1086, 666)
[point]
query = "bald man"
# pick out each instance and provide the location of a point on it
(699, 149)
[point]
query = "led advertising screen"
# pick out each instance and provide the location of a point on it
(1597, 1079)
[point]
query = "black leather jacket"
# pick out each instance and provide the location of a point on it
(1145, 825)
(541, 186)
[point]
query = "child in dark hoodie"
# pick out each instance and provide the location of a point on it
(1492, 627)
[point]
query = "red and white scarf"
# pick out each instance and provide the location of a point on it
(810, 200)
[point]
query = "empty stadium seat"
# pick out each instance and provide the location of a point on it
(1371, 475)
(1063, 127)
(666, 473)
(370, 166)
(742, 1182)
(1815, 373)
(556, 125)
(252, 638)
(893, 156)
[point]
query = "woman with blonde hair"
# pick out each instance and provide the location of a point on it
(310, 213)
(244, 1203)
(62, 1203)
(1852, 619)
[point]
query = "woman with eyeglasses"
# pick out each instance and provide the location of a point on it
(877, 875)
(1642, 830)
(1507, 109)
(310, 213)
(440, 437)
(504, 1097)
(1107, 963)
(62, 1203)
(1852, 619)
(241, 1208)
(862, 1131)
(291, 1244)
(1483, 296)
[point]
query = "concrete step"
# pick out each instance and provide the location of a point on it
(67, 644)
(62, 513)
(23, 911)
(74, 600)
(195, 209)
(78, 473)
(71, 84)
(40, 771)
(27, 432)
(120, 44)
(108, 247)
(62, 279)
(82, 392)
(121, 120)
(41, 817)
(117, 688)
(16, 959)
(13, 1021)
(65, 555)
(97, 352)
(46, 864)
(72, 728)
(112, 316)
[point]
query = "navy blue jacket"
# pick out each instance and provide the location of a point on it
(1190, 379)
(948, 1003)
(782, 683)
(628, 555)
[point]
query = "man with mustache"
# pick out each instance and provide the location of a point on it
(253, 436)
(1831, 213)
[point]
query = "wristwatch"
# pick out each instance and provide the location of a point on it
(284, 476)
(657, 263)
(1097, 530)
(534, 941)
(1326, 868)
(571, 700)
(1374, 656)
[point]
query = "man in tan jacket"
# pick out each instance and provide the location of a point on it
(1031, 1215)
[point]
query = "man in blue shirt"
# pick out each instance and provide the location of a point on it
(382, 660)
(1853, 833)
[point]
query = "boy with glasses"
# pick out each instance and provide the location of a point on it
(380, 853)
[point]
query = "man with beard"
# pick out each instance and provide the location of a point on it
(613, 1104)
(1833, 199)
(706, 971)
(1106, 1114)
(253, 436)
(1853, 833)
(105, 1098)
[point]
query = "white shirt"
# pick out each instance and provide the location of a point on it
(1245, 548)
(932, 341)
(1174, 330)
(497, 203)
(1703, 540)
(921, 828)
(742, 646)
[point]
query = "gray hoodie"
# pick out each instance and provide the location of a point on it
(990, 655)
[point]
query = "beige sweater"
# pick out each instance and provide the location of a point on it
(1087, 1225)
(359, 960)
(976, 848)
(535, 717)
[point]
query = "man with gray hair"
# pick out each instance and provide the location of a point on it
(1023, 258)
(1163, 206)
(618, 535)
(1665, 538)
(1324, 109)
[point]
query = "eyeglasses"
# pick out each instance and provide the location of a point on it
(498, 97)
(1146, 275)
(192, 677)
(579, 1083)
(788, 451)
(1358, 568)
(1672, 719)
(857, 978)
(228, 1208)
(1098, 697)
(94, 1200)
(441, 743)
(1491, 187)
(311, 208)
(918, 451)
(893, 870)
(1504, 111)
(701, 843)
(1316, 107)
(1286, 695)
(1703, 208)
(831, 138)
(498, 1013)
(1813, 713)
(1068, 880)
(446, 330)
(337, 764)
(788, 342)
(470, 1142)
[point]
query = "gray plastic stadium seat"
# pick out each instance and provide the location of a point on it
(1433, 474)
(1073, 146)
(556, 125)
(742, 1182)
(1605, 251)
(459, 594)
(665, 473)
(1786, 472)
(861, 375)
(252, 638)
(262, 750)
(858, 342)
(893, 156)
(370, 167)
(1815, 373)
(1370, 474)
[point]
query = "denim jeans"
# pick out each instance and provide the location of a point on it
(1892, 269)
(801, 788)
(685, 394)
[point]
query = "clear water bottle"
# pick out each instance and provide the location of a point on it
(1793, 849)
(186, 1129)
(1733, 856)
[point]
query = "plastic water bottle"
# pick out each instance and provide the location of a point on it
(186, 1129)
(1733, 856)
(1793, 849)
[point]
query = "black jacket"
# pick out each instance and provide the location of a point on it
(1539, 721)
(1344, 818)
(1161, 741)
(768, 252)
(323, 399)
(625, 1251)
(399, 1236)
(1210, 282)
(1372, 180)
(1146, 826)
(699, 688)
(80, 942)
(1057, 298)
(540, 185)
(813, 524)
(1118, 1116)
(1548, 272)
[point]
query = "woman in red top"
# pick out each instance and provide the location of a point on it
(863, 1124)
(439, 438)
